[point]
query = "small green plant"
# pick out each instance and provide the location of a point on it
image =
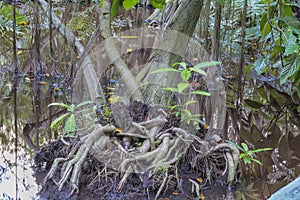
(247, 155)
(186, 73)
(69, 118)
(185, 114)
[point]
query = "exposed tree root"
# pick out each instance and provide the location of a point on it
(159, 149)
(74, 163)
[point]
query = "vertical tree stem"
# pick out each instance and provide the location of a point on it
(15, 89)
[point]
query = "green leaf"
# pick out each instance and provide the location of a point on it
(185, 74)
(221, 2)
(167, 69)
(265, 27)
(253, 104)
(128, 4)
(260, 65)
(182, 64)
(158, 3)
(277, 49)
(287, 10)
(57, 122)
(83, 104)
(242, 155)
(101, 3)
(206, 64)
(247, 160)
(182, 86)
(200, 92)
(245, 146)
(291, 49)
(281, 100)
(189, 102)
(199, 71)
(291, 67)
(234, 144)
(257, 161)
(186, 112)
(170, 89)
(70, 126)
(248, 67)
(71, 108)
(292, 22)
(261, 150)
(115, 8)
(59, 104)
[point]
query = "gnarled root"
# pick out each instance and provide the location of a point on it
(159, 150)
(232, 158)
(169, 151)
(74, 163)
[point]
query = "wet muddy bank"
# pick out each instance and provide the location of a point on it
(100, 182)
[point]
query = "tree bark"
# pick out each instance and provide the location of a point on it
(114, 55)
(170, 49)
(216, 87)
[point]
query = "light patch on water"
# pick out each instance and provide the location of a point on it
(27, 186)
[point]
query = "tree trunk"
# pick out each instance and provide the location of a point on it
(169, 49)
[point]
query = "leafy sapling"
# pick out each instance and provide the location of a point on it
(70, 126)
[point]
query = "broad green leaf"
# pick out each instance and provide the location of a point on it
(292, 39)
(100, 3)
(253, 104)
(260, 65)
(182, 86)
(167, 69)
(291, 67)
(185, 74)
(83, 104)
(59, 104)
(292, 22)
(287, 10)
(276, 50)
(245, 146)
(265, 27)
(70, 126)
(115, 8)
(206, 64)
(199, 71)
(291, 49)
(200, 92)
(266, 30)
(56, 123)
(128, 4)
(263, 21)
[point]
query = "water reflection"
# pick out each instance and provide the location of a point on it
(27, 186)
